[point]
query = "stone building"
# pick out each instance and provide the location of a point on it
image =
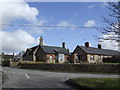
(83, 54)
(49, 54)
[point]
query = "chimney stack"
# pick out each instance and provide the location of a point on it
(13, 54)
(63, 44)
(2, 53)
(41, 41)
(87, 44)
(99, 46)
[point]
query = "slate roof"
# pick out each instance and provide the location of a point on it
(92, 50)
(49, 50)
(31, 50)
(53, 50)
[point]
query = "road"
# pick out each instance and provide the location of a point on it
(23, 78)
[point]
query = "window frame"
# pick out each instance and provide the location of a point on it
(91, 57)
(50, 57)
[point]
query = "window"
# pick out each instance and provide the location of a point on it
(76, 57)
(99, 57)
(92, 57)
(105, 56)
(61, 57)
(67, 58)
(51, 58)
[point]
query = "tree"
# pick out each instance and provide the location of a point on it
(112, 29)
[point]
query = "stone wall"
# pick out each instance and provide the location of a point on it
(41, 56)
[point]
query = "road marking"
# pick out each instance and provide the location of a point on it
(27, 75)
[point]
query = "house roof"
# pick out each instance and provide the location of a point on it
(30, 50)
(53, 49)
(49, 50)
(92, 50)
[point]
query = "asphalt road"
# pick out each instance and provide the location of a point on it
(22, 78)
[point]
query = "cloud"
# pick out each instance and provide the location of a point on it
(109, 44)
(15, 41)
(63, 23)
(91, 6)
(66, 24)
(38, 30)
(10, 11)
(104, 5)
(20, 10)
(89, 23)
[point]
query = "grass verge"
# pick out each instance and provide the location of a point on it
(108, 83)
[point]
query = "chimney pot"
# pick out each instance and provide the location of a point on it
(63, 44)
(99, 46)
(87, 44)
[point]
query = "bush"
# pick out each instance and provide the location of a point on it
(94, 68)
(6, 63)
(111, 60)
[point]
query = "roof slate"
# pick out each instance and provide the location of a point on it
(92, 50)
(50, 50)
(53, 50)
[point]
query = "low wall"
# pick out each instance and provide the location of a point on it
(92, 68)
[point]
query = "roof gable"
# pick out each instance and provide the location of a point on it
(30, 50)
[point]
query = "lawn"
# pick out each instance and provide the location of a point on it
(110, 83)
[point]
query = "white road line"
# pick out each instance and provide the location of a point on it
(13, 72)
(27, 75)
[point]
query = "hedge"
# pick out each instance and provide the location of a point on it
(92, 68)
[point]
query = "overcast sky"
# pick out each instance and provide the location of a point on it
(82, 14)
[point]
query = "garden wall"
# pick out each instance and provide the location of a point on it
(92, 68)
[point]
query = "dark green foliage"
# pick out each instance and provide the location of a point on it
(6, 63)
(89, 68)
(111, 60)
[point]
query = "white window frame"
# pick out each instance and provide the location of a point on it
(99, 57)
(51, 58)
(91, 57)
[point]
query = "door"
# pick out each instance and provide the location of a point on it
(61, 57)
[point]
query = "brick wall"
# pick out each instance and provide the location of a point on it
(53, 58)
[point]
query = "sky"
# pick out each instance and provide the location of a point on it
(74, 14)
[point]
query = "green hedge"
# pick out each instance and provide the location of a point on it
(111, 60)
(94, 68)
(6, 63)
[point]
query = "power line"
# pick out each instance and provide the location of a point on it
(43, 26)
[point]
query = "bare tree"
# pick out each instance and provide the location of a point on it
(112, 29)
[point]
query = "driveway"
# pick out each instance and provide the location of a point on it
(23, 78)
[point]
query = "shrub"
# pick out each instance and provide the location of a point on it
(111, 60)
